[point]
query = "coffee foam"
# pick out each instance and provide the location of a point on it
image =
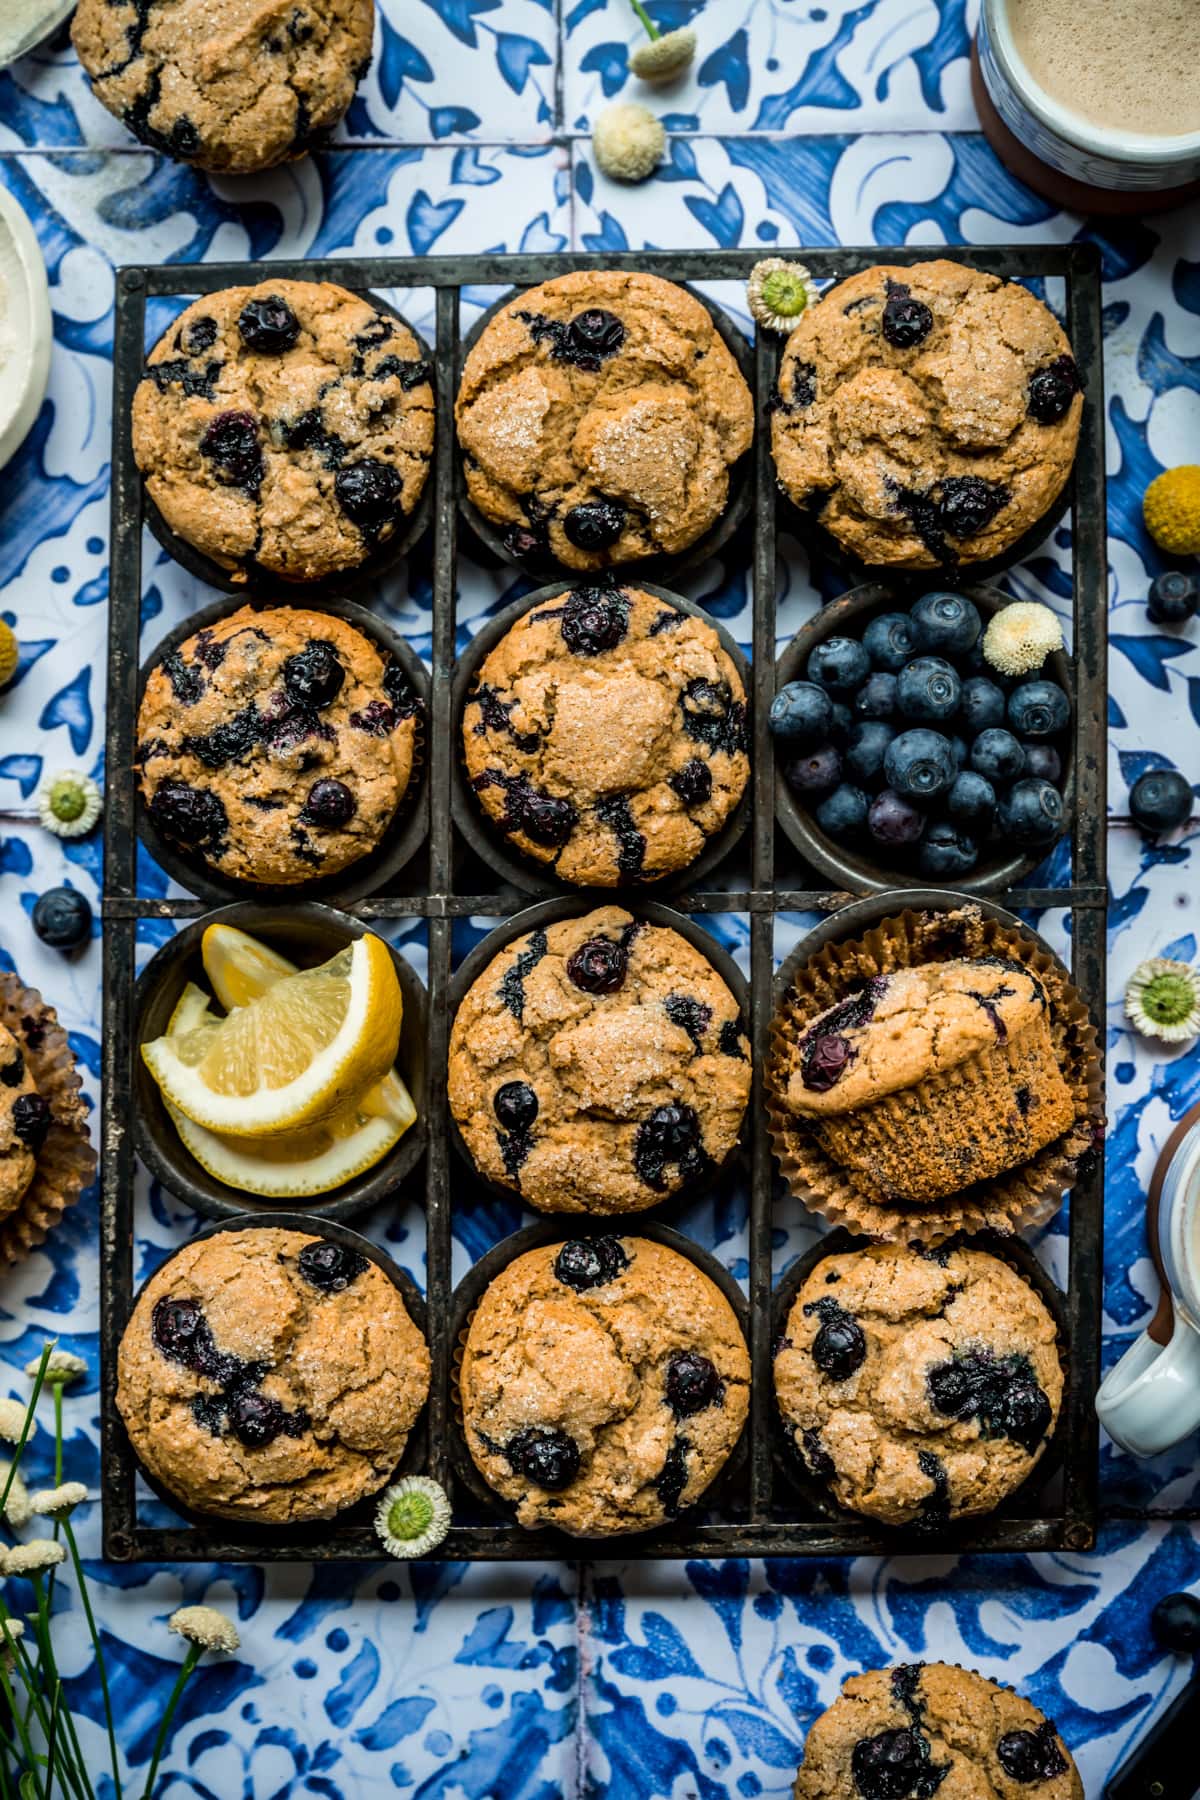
(1122, 65)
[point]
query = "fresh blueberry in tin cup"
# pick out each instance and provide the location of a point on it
(982, 704)
(928, 690)
(972, 801)
(889, 641)
(920, 764)
(947, 851)
(816, 774)
(876, 698)
(840, 664)
(1043, 761)
(945, 624)
(997, 755)
(843, 814)
(1032, 814)
(866, 747)
(894, 822)
(801, 713)
(1038, 709)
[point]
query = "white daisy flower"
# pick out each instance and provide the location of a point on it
(58, 1502)
(68, 803)
(206, 1627)
(61, 1366)
(1020, 637)
(18, 1509)
(413, 1516)
(779, 293)
(33, 1557)
(664, 56)
(628, 141)
(1162, 1000)
(12, 1420)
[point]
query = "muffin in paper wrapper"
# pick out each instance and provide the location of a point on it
(66, 1161)
(1015, 1200)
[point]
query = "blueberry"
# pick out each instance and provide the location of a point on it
(62, 918)
(545, 1456)
(997, 754)
(1173, 598)
(329, 804)
(893, 820)
(693, 783)
(255, 1419)
(595, 525)
(906, 321)
(840, 664)
(584, 1263)
(177, 1327)
(968, 504)
(827, 1056)
(876, 698)
(947, 851)
(692, 1383)
(670, 1135)
(1029, 1756)
(946, 623)
(1038, 709)
(843, 813)
(959, 751)
(377, 718)
(1052, 389)
(268, 325)
(815, 774)
(919, 764)
(843, 722)
(1160, 800)
(1176, 1622)
(801, 713)
(599, 966)
(866, 748)
(314, 676)
(888, 641)
(1032, 814)
(199, 336)
(894, 1765)
(982, 704)
(31, 1120)
(515, 1105)
(594, 620)
(193, 816)
(928, 690)
(1043, 761)
(840, 1346)
(972, 801)
(595, 334)
(230, 441)
(1000, 1392)
(331, 1267)
(368, 492)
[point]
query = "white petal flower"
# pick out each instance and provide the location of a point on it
(18, 1509)
(205, 1626)
(1163, 1000)
(779, 293)
(628, 141)
(33, 1557)
(664, 57)
(59, 1502)
(1020, 637)
(413, 1516)
(10, 1631)
(68, 803)
(12, 1420)
(61, 1366)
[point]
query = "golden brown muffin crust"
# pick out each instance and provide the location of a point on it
(18, 1137)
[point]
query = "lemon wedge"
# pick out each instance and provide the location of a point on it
(305, 1048)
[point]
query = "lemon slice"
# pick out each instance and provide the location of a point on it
(293, 1057)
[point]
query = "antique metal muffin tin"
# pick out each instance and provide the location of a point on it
(755, 1510)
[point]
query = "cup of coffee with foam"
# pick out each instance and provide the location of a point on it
(1151, 1398)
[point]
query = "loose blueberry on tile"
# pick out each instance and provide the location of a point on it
(671, 1134)
(594, 524)
(928, 690)
(920, 764)
(889, 641)
(895, 1765)
(1032, 814)
(968, 504)
(1174, 597)
(62, 918)
(1176, 1622)
(815, 774)
(331, 1267)
(594, 620)
(1052, 389)
(866, 747)
(585, 1263)
(515, 1105)
(599, 966)
(906, 321)
(1038, 709)
(972, 801)
(840, 1346)
(692, 1384)
(842, 814)
(230, 441)
(545, 1456)
(330, 804)
(877, 697)
(1160, 800)
(840, 665)
(1030, 1756)
(693, 783)
(314, 675)
(826, 1059)
(997, 755)
(982, 704)
(31, 1120)
(894, 821)
(368, 492)
(268, 325)
(801, 713)
(946, 624)
(947, 851)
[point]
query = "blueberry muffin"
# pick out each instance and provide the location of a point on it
(228, 85)
(927, 416)
(598, 1065)
(606, 736)
(285, 429)
(599, 416)
(604, 1383)
(276, 744)
(925, 1728)
(24, 1122)
(932, 1078)
(267, 1375)
(921, 1387)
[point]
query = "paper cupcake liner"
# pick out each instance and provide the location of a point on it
(66, 1162)
(1017, 1200)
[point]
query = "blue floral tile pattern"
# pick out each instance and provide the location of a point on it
(471, 133)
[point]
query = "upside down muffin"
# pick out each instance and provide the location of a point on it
(599, 416)
(604, 1383)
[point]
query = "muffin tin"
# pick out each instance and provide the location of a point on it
(756, 1511)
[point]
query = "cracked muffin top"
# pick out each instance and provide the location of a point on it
(603, 1385)
(598, 1065)
(285, 429)
(270, 1375)
(927, 415)
(606, 735)
(927, 1728)
(599, 416)
(25, 1119)
(276, 744)
(922, 1386)
(899, 1028)
(232, 85)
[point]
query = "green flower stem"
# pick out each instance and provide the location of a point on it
(647, 23)
(58, 1434)
(81, 1581)
(50, 1745)
(181, 1681)
(26, 1428)
(22, 1731)
(80, 1779)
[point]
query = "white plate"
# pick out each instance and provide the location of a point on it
(26, 327)
(26, 22)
